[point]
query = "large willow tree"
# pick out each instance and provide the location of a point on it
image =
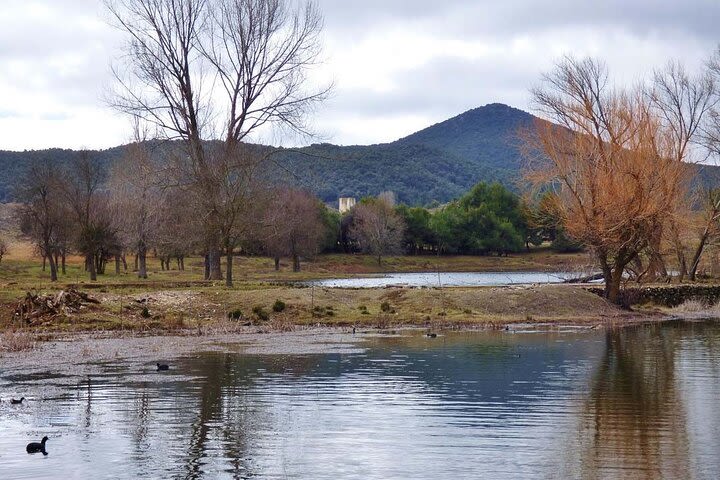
(617, 158)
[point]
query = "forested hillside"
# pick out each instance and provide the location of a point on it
(436, 164)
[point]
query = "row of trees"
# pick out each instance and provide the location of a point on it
(133, 210)
(487, 220)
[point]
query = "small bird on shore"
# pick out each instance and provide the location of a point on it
(431, 335)
(162, 366)
(353, 330)
(17, 402)
(35, 447)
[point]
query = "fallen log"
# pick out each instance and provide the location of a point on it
(585, 279)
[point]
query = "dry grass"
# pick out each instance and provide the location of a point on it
(16, 340)
(175, 300)
(695, 306)
(207, 310)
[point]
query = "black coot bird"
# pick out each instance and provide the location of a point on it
(162, 366)
(17, 402)
(35, 447)
(431, 335)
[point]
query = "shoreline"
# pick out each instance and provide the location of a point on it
(51, 352)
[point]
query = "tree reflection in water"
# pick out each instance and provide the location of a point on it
(634, 419)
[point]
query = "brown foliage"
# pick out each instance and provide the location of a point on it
(377, 228)
(613, 159)
(292, 225)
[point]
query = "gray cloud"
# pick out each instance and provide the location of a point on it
(399, 64)
(442, 88)
(508, 17)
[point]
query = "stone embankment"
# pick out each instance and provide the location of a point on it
(667, 295)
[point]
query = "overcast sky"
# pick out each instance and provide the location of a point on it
(398, 65)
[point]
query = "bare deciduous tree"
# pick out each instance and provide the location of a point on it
(96, 229)
(377, 228)
(137, 200)
(709, 228)
(293, 226)
(42, 214)
(199, 70)
(711, 128)
(682, 104)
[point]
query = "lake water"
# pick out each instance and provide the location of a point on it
(445, 279)
(640, 402)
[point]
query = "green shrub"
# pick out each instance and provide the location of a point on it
(385, 307)
(145, 313)
(235, 314)
(260, 312)
(278, 306)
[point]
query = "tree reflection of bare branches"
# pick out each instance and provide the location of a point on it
(229, 415)
(633, 424)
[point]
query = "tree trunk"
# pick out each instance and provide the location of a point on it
(136, 263)
(182, 263)
(215, 272)
(141, 261)
(90, 263)
(62, 259)
(296, 263)
(379, 259)
(683, 268)
(117, 264)
(698, 253)
(277, 263)
(228, 269)
(44, 262)
(53, 268)
(656, 267)
(124, 261)
(612, 287)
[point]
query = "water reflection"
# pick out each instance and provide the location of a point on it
(631, 403)
(640, 405)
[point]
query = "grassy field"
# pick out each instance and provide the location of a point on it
(171, 300)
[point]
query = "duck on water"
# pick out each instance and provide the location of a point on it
(35, 447)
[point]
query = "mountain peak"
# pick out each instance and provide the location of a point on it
(488, 120)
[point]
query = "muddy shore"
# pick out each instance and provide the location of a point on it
(83, 353)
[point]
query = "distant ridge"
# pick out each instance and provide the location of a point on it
(435, 164)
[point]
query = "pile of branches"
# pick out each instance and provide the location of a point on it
(36, 307)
